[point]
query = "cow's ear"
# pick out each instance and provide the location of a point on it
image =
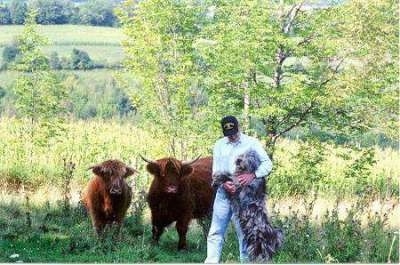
(153, 168)
(186, 170)
(101, 171)
(129, 171)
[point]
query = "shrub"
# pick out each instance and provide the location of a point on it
(2, 92)
(80, 60)
(54, 61)
(10, 52)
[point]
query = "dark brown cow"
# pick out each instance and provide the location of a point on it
(179, 192)
(108, 196)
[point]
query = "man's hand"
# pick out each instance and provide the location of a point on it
(229, 187)
(246, 178)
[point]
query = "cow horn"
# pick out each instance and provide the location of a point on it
(147, 160)
(190, 162)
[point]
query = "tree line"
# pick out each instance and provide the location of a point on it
(90, 12)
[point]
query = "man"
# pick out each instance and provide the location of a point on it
(226, 150)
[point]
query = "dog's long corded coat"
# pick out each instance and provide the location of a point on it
(248, 204)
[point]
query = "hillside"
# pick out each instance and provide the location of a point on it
(103, 44)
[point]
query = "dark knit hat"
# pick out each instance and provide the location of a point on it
(230, 125)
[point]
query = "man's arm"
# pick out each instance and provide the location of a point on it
(266, 164)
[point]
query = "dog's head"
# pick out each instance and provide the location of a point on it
(247, 162)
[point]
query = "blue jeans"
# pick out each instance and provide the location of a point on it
(222, 214)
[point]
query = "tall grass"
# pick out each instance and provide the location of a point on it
(84, 142)
(40, 207)
(335, 170)
(45, 232)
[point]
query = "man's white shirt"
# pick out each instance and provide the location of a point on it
(226, 152)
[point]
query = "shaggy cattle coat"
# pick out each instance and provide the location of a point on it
(248, 203)
(108, 196)
(179, 192)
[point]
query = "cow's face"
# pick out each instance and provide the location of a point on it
(113, 172)
(169, 172)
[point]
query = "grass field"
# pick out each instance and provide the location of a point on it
(47, 232)
(103, 44)
(88, 78)
(68, 34)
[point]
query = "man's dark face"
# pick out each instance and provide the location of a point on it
(233, 138)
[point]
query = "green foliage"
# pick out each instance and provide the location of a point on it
(5, 15)
(312, 166)
(92, 12)
(161, 55)
(307, 174)
(80, 60)
(97, 13)
(360, 170)
(10, 53)
(54, 61)
(38, 91)
(52, 11)
(279, 64)
(372, 35)
(18, 10)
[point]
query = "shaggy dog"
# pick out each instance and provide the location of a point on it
(248, 203)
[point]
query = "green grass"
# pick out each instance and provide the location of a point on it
(57, 235)
(68, 34)
(87, 78)
(103, 44)
(105, 55)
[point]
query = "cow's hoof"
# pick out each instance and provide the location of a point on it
(182, 249)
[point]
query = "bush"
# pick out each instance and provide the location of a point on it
(2, 92)
(10, 53)
(80, 60)
(54, 61)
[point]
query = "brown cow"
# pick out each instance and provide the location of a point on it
(108, 196)
(180, 191)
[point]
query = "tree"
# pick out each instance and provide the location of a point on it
(39, 93)
(161, 55)
(52, 11)
(280, 65)
(372, 36)
(18, 10)
(286, 64)
(97, 13)
(5, 15)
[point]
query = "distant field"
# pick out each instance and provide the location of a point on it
(103, 44)
(88, 78)
(68, 34)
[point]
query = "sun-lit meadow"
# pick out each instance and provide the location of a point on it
(35, 216)
(103, 44)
